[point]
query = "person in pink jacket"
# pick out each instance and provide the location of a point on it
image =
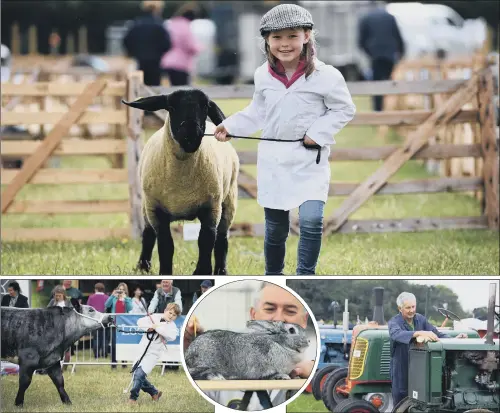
(178, 62)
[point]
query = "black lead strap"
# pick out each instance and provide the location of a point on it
(151, 335)
(307, 146)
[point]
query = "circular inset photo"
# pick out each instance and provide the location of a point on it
(250, 345)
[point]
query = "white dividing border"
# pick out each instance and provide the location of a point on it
(279, 281)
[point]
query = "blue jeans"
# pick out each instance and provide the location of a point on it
(277, 227)
(140, 382)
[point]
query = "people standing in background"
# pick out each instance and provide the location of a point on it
(147, 41)
(204, 287)
(72, 292)
(14, 298)
(139, 305)
(61, 299)
(178, 62)
(165, 295)
(379, 37)
(99, 339)
(118, 303)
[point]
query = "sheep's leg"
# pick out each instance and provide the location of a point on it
(206, 242)
(227, 218)
(221, 245)
(165, 242)
(148, 243)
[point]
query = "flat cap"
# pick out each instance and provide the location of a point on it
(285, 16)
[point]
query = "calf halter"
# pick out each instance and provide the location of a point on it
(91, 318)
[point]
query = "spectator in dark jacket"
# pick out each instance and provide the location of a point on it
(14, 298)
(147, 41)
(379, 37)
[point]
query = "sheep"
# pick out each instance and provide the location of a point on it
(185, 175)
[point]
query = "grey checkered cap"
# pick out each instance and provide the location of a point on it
(285, 16)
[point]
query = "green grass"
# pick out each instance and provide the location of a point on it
(99, 389)
(306, 403)
(443, 252)
(430, 253)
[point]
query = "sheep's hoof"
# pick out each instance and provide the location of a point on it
(143, 266)
(220, 271)
(203, 271)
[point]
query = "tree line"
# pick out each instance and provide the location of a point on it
(319, 294)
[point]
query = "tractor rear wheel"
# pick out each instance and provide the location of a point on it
(355, 406)
(405, 406)
(319, 380)
(330, 396)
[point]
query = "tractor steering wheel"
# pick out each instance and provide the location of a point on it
(448, 314)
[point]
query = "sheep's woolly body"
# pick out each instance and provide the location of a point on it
(181, 183)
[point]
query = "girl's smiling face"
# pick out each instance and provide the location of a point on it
(286, 45)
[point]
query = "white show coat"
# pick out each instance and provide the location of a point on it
(166, 330)
(287, 173)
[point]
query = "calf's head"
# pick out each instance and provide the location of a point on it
(188, 109)
(90, 316)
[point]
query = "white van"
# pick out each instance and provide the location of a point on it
(430, 28)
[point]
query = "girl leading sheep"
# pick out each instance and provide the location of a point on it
(296, 97)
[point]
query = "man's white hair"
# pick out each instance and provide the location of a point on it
(258, 293)
(403, 297)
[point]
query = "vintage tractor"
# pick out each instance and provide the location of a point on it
(365, 386)
(455, 375)
(334, 354)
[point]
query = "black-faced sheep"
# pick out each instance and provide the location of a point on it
(185, 175)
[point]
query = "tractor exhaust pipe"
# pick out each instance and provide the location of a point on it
(491, 314)
(378, 309)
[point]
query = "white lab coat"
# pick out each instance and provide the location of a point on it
(287, 173)
(167, 330)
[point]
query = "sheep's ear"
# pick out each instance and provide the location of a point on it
(214, 113)
(150, 104)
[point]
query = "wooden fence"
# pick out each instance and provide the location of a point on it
(437, 69)
(76, 104)
(479, 87)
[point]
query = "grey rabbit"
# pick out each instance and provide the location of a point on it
(266, 350)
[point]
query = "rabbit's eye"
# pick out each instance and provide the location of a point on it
(292, 330)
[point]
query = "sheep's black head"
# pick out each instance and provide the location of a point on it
(189, 109)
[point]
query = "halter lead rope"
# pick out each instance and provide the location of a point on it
(307, 146)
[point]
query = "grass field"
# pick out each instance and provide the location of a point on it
(445, 252)
(306, 403)
(99, 389)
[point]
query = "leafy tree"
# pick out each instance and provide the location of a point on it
(318, 294)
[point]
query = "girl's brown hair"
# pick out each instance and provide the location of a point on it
(308, 52)
(125, 287)
(59, 289)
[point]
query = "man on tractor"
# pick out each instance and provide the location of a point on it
(403, 328)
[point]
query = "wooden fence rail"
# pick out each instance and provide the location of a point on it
(98, 111)
(423, 122)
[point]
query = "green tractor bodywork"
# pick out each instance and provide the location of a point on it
(369, 367)
(454, 375)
